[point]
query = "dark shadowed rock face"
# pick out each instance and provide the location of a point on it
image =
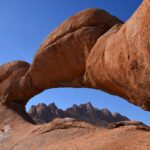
(138, 124)
(84, 112)
(42, 113)
(118, 117)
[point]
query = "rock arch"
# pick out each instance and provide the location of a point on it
(91, 49)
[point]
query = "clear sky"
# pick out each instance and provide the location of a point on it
(25, 23)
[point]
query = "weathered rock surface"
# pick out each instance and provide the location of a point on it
(91, 49)
(42, 113)
(121, 58)
(69, 134)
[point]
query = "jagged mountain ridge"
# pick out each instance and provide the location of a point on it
(42, 113)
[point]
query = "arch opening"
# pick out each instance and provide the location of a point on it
(65, 98)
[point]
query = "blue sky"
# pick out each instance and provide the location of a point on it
(25, 23)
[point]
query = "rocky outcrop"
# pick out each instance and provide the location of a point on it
(69, 134)
(120, 58)
(44, 114)
(137, 124)
(84, 112)
(70, 43)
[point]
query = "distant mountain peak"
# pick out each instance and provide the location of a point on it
(74, 106)
(52, 105)
(42, 113)
(41, 105)
(105, 110)
(89, 104)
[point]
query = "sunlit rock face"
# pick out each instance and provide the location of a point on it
(91, 49)
(119, 62)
